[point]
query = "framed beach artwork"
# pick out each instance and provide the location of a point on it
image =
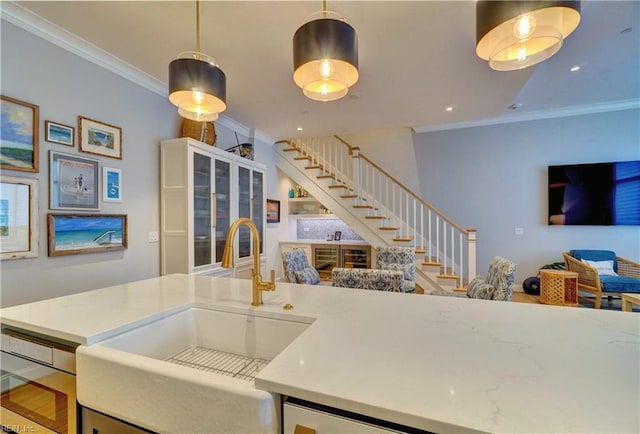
(111, 184)
(19, 135)
(72, 234)
(273, 211)
(18, 218)
(73, 182)
(98, 138)
(58, 133)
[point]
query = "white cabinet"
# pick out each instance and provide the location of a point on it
(300, 419)
(202, 190)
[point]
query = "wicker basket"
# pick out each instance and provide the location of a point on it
(559, 287)
(204, 132)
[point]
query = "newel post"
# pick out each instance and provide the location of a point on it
(355, 158)
(471, 253)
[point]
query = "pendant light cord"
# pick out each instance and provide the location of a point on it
(324, 8)
(198, 29)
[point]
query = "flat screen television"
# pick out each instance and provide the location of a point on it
(598, 194)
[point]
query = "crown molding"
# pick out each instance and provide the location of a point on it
(537, 115)
(45, 29)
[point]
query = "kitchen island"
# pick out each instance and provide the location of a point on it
(440, 364)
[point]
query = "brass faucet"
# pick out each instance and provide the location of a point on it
(227, 259)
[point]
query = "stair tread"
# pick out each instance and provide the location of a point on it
(290, 150)
(447, 276)
(306, 157)
(325, 176)
(435, 264)
(388, 228)
(375, 217)
(348, 196)
(420, 251)
(403, 240)
(338, 186)
(315, 166)
(363, 206)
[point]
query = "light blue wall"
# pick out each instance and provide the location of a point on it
(494, 178)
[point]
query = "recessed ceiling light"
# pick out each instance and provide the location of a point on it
(575, 68)
(299, 128)
(449, 109)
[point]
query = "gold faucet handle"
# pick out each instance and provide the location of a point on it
(272, 281)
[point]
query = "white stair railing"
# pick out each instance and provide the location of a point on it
(407, 215)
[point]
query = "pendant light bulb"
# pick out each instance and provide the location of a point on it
(326, 69)
(525, 26)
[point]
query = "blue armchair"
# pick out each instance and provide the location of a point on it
(602, 272)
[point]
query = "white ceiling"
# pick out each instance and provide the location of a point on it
(416, 58)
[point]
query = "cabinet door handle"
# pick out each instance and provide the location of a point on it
(214, 216)
(301, 429)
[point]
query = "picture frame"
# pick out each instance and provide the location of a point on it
(72, 234)
(61, 134)
(111, 184)
(18, 218)
(273, 211)
(98, 138)
(73, 182)
(19, 135)
(337, 235)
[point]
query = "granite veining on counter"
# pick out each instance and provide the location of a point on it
(441, 364)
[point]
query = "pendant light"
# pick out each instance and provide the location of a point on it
(197, 85)
(513, 35)
(325, 57)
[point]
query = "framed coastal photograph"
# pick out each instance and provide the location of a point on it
(72, 234)
(111, 184)
(73, 182)
(19, 136)
(18, 218)
(59, 133)
(98, 138)
(273, 211)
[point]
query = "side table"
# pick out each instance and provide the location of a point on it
(559, 287)
(628, 300)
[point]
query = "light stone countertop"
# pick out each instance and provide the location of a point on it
(442, 364)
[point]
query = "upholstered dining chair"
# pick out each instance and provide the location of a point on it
(399, 259)
(297, 269)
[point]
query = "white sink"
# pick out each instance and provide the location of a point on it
(190, 372)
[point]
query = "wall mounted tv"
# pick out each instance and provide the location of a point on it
(595, 194)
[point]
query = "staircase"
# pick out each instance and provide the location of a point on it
(380, 209)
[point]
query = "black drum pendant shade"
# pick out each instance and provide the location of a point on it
(325, 58)
(513, 35)
(197, 86)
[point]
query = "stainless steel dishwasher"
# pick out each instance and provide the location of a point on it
(38, 383)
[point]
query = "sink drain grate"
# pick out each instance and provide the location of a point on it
(220, 362)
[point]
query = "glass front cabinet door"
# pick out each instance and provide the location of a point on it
(251, 200)
(202, 209)
(204, 189)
